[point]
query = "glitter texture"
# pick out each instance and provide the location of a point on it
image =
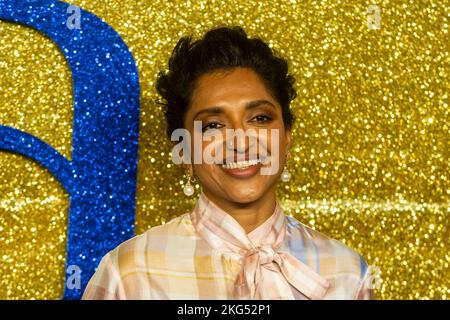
(101, 177)
(370, 160)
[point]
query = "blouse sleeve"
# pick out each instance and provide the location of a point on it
(106, 283)
(365, 290)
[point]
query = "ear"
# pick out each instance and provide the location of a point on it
(191, 169)
(186, 166)
(288, 134)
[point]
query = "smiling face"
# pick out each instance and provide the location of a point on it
(237, 99)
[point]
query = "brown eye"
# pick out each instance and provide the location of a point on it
(261, 118)
(212, 125)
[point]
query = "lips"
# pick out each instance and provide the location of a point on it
(242, 169)
(240, 164)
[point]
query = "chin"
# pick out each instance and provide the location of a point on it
(239, 190)
(245, 195)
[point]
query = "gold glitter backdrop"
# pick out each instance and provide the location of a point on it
(370, 160)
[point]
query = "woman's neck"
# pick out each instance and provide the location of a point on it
(248, 215)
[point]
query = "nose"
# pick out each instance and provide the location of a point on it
(240, 140)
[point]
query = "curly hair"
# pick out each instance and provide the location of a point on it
(221, 49)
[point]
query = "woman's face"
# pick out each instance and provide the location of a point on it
(237, 99)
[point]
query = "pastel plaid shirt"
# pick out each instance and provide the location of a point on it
(206, 254)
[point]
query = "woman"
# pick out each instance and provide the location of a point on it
(236, 243)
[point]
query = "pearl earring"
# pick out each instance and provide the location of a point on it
(285, 175)
(188, 188)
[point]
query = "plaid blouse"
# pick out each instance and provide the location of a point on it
(206, 254)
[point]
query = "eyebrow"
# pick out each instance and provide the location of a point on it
(248, 106)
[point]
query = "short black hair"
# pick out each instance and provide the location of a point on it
(221, 49)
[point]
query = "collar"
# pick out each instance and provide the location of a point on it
(259, 251)
(221, 230)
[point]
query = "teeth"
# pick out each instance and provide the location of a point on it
(240, 164)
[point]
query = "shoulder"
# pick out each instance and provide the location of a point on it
(126, 267)
(154, 243)
(325, 254)
(345, 269)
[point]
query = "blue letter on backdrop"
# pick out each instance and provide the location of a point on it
(101, 178)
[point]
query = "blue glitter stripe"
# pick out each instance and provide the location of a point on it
(17, 141)
(102, 179)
